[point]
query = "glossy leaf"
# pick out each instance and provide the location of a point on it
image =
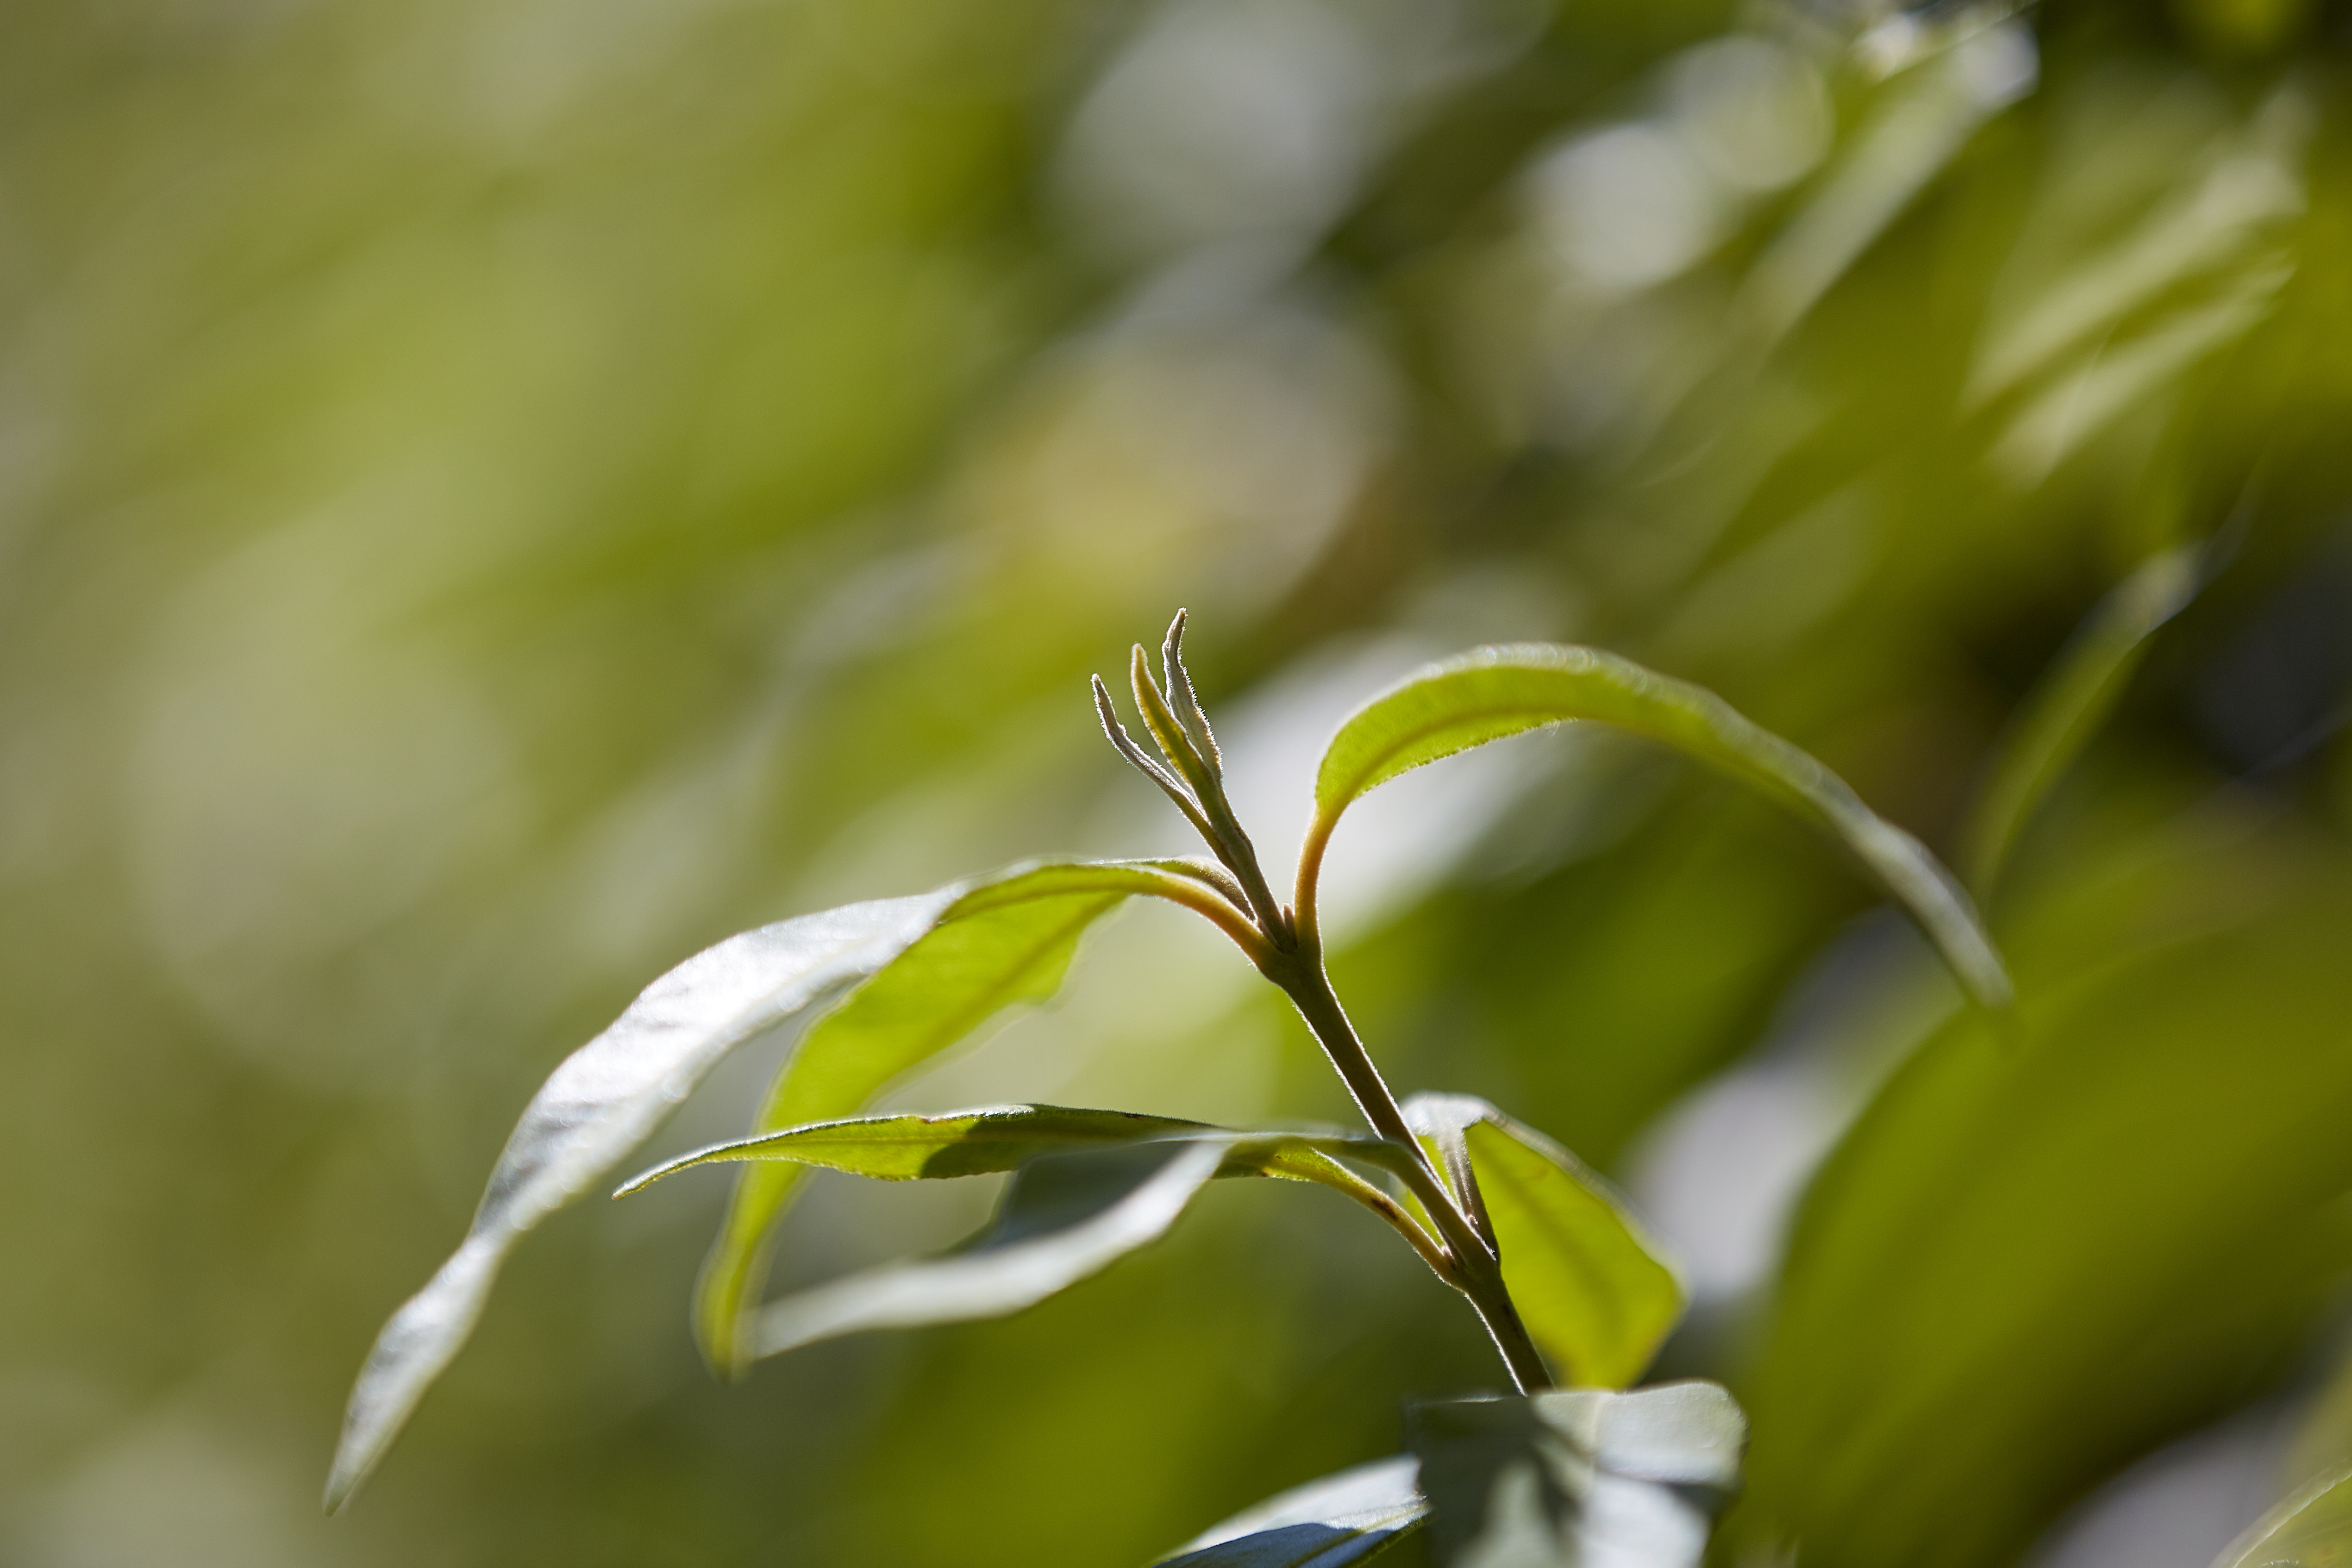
(1355, 1515)
(1577, 1476)
(2070, 703)
(595, 1108)
(1588, 1280)
(1491, 693)
(1002, 944)
(2312, 1529)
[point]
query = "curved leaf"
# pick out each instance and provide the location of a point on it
(1064, 1218)
(1490, 693)
(1579, 1475)
(595, 1108)
(2071, 702)
(2313, 1528)
(925, 1148)
(1351, 1517)
(1003, 943)
(1586, 1279)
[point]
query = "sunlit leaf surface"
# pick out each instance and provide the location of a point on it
(1356, 1516)
(1588, 1282)
(595, 1108)
(997, 946)
(1578, 1476)
(1491, 693)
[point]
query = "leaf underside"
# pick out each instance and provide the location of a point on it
(1352, 1517)
(608, 1096)
(1000, 945)
(1577, 1476)
(2313, 1528)
(1491, 693)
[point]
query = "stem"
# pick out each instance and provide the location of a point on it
(1477, 1270)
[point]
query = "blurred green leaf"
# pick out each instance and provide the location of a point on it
(1587, 1282)
(2071, 700)
(2036, 1264)
(1356, 1516)
(1577, 1476)
(1491, 693)
(2312, 1529)
(1003, 943)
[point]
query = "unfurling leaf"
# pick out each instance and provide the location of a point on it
(1491, 693)
(1355, 1515)
(1588, 1282)
(1577, 1477)
(1004, 943)
(599, 1105)
(2313, 1528)
(609, 1095)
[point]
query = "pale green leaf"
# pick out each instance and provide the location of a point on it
(597, 1107)
(2312, 1529)
(1490, 693)
(1577, 1476)
(1355, 1515)
(1003, 943)
(2070, 704)
(1589, 1282)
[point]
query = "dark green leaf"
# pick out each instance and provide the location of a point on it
(1588, 1282)
(1355, 1515)
(1577, 1476)
(2070, 704)
(1491, 693)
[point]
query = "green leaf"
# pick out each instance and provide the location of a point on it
(1352, 1517)
(599, 1105)
(1577, 1476)
(915, 1147)
(1491, 693)
(1588, 1283)
(992, 1277)
(1065, 1218)
(2070, 704)
(2313, 1528)
(1006, 942)
(609, 1095)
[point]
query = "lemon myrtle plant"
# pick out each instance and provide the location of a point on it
(1570, 1463)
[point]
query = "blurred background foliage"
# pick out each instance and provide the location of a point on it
(495, 497)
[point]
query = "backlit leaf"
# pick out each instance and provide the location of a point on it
(1588, 1282)
(597, 1107)
(1004, 943)
(1491, 693)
